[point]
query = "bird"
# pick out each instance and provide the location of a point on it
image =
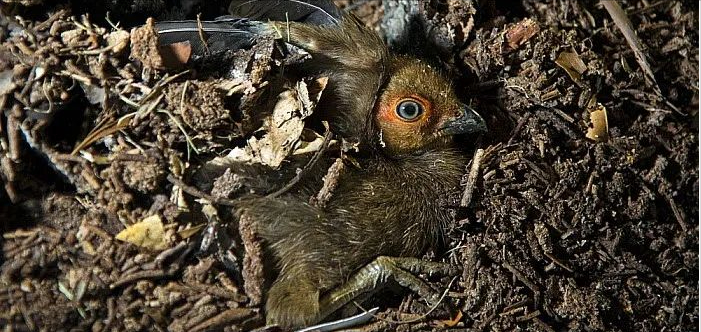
(403, 115)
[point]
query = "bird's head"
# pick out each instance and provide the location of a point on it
(417, 110)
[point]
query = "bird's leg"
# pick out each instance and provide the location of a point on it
(292, 301)
(372, 276)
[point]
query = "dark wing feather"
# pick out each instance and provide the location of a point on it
(318, 12)
(220, 35)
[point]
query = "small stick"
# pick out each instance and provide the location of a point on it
(518, 128)
(529, 316)
(330, 184)
(200, 33)
(111, 314)
(224, 318)
(558, 262)
(623, 23)
(678, 214)
(472, 178)
(149, 274)
(198, 193)
(166, 254)
(252, 272)
(14, 136)
(523, 279)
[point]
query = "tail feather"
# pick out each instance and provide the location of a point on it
(214, 36)
(317, 12)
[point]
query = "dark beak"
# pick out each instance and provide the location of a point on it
(468, 123)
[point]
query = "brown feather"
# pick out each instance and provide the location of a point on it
(390, 204)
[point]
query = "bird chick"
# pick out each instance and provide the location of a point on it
(403, 114)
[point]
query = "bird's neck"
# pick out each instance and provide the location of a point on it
(422, 185)
(438, 169)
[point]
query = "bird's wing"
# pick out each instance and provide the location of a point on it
(317, 12)
(222, 34)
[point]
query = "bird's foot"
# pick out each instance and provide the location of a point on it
(292, 303)
(380, 271)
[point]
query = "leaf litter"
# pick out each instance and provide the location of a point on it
(579, 214)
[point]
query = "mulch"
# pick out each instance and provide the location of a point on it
(578, 212)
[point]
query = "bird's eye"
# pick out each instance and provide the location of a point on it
(409, 109)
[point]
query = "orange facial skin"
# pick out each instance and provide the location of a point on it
(388, 111)
(398, 136)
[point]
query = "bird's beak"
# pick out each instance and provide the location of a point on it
(468, 123)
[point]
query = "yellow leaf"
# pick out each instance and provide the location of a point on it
(599, 127)
(148, 233)
(572, 64)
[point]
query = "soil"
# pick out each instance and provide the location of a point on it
(579, 210)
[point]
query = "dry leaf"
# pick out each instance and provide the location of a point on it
(105, 127)
(311, 93)
(148, 233)
(283, 128)
(236, 85)
(598, 126)
(572, 64)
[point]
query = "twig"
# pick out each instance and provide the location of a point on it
(14, 136)
(220, 292)
(518, 128)
(623, 23)
(472, 178)
(200, 34)
(166, 254)
(524, 280)
(678, 214)
(649, 7)
(558, 262)
(199, 316)
(198, 193)
(252, 272)
(529, 316)
(149, 274)
(190, 143)
(330, 184)
(516, 305)
(111, 314)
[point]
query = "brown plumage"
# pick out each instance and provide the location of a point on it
(403, 114)
(390, 205)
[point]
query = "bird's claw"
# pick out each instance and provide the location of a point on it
(372, 276)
